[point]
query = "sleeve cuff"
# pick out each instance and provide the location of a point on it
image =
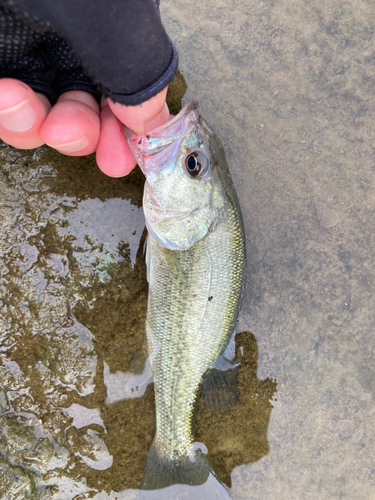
(153, 89)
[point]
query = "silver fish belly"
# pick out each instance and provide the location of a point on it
(196, 271)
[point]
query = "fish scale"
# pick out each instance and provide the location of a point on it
(174, 315)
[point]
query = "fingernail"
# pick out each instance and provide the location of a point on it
(71, 147)
(159, 120)
(19, 118)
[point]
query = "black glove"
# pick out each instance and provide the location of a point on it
(120, 47)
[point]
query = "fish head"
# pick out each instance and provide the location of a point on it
(181, 195)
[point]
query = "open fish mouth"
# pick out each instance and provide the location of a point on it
(166, 137)
(158, 139)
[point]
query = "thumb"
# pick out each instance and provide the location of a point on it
(144, 117)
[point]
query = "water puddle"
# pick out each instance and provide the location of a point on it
(76, 393)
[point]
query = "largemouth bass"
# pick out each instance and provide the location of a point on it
(196, 270)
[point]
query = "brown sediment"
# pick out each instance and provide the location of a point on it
(238, 435)
(176, 91)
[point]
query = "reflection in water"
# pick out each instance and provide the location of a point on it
(83, 416)
(121, 385)
(61, 241)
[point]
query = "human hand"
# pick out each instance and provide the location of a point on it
(75, 125)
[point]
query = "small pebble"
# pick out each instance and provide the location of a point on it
(210, 28)
(240, 115)
(327, 217)
(346, 428)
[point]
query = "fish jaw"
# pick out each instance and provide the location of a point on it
(166, 138)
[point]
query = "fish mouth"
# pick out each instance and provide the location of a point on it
(171, 124)
(143, 146)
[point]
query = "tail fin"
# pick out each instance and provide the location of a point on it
(190, 478)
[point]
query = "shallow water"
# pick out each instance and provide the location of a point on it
(289, 89)
(77, 416)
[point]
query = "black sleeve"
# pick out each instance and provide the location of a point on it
(121, 44)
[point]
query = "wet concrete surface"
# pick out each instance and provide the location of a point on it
(289, 89)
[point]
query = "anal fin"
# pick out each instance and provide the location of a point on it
(220, 389)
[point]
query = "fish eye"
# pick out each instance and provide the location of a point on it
(196, 164)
